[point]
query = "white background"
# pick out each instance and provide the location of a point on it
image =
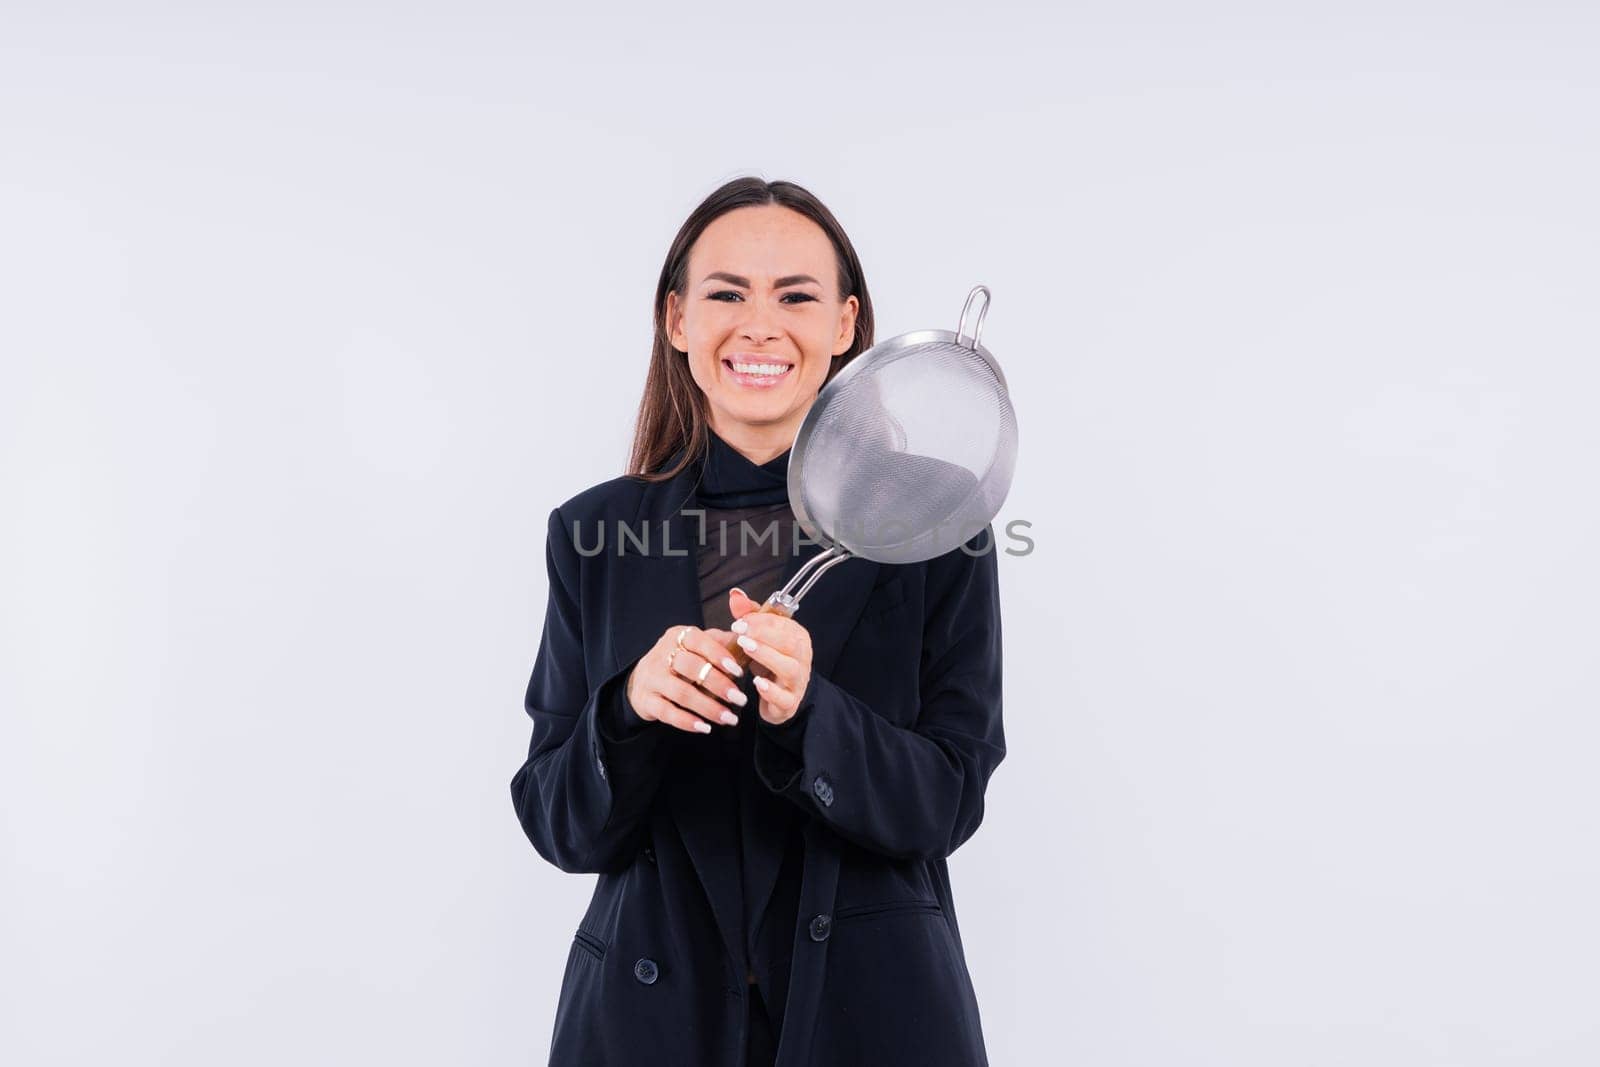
(309, 313)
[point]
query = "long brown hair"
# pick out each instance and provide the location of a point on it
(672, 413)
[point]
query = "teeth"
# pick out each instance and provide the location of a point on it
(760, 368)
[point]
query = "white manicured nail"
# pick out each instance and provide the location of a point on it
(748, 643)
(730, 719)
(738, 697)
(702, 726)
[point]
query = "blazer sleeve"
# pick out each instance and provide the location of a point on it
(586, 785)
(917, 791)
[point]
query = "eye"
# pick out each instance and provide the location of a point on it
(720, 293)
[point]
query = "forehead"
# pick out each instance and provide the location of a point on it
(762, 242)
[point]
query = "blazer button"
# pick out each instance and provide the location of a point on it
(646, 971)
(823, 789)
(821, 926)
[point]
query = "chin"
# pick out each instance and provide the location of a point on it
(766, 407)
(757, 409)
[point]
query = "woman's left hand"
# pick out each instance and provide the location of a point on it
(780, 656)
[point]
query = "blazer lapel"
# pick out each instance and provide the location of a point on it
(659, 586)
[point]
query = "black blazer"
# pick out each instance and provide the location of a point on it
(893, 746)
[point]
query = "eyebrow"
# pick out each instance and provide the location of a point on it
(735, 279)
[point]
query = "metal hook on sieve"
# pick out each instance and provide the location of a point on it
(978, 328)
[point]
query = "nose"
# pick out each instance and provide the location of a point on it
(758, 328)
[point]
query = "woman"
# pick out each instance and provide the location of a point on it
(770, 843)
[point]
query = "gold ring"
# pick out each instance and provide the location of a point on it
(681, 635)
(705, 669)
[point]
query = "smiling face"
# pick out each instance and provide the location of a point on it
(761, 321)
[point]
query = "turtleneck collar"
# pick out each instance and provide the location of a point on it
(729, 480)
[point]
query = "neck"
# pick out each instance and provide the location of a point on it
(758, 444)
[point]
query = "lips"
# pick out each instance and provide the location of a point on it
(757, 380)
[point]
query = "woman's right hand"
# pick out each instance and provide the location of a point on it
(677, 696)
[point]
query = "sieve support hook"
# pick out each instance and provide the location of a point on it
(965, 308)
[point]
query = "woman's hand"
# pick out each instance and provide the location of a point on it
(780, 656)
(687, 694)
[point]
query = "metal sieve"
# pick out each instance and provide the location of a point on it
(905, 455)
